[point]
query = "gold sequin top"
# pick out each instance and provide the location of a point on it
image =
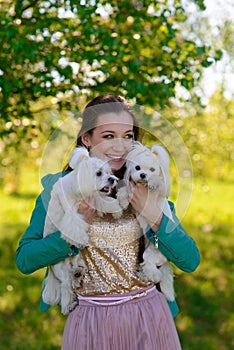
(112, 256)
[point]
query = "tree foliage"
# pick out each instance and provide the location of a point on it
(68, 49)
(76, 47)
(208, 134)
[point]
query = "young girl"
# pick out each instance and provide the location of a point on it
(116, 310)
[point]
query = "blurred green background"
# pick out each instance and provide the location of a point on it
(175, 58)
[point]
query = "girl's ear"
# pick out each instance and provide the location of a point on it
(85, 138)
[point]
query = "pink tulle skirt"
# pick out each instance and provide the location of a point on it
(143, 323)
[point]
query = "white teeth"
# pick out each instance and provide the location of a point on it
(115, 157)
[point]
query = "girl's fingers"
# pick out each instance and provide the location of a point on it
(87, 209)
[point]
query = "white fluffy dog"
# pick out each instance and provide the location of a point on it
(151, 168)
(91, 177)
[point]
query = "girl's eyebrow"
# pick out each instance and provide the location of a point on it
(106, 131)
(111, 131)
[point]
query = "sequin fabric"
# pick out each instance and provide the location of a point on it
(112, 256)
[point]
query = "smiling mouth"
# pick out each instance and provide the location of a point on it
(112, 157)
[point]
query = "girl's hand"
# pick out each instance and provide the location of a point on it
(87, 209)
(145, 203)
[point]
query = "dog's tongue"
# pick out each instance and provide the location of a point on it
(105, 189)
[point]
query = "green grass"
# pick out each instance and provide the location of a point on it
(205, 297)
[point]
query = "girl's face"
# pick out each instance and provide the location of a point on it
(111, 139)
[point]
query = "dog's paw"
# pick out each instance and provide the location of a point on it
(123, 202)
(152, 187)
(149, 273)
(122, 197)
(141, 276)
(77, 275)
(66, 309)
(139, 273)
(168, 292)
(100, 213)
(155, 275)
(118, 214)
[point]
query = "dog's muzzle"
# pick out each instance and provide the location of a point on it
(143, 176)
(112, 182)
(143, 179)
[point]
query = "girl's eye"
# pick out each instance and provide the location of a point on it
(137, 167)
(99, 173)
(108, 136)
(129, 136)
(152, 169)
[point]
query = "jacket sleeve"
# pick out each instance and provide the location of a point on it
(174, 242)
(34, 251)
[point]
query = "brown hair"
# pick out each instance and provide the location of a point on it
(101, 105)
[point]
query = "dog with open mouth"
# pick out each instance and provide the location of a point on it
(91, 177)
(151, 168)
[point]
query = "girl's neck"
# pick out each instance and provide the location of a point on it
(120, 173)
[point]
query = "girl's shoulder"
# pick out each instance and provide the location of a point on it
(48, 182)
(50, 179)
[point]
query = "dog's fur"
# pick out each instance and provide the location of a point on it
(151, 168)
(91, 177)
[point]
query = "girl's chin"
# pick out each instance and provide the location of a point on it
(116, 165)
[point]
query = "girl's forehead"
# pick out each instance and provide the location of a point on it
(114, 120)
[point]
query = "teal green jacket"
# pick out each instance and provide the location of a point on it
(35, 252)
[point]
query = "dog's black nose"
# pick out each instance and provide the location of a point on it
(111, 180)
(142, 176)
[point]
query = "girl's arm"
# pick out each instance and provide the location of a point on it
(34, 251)
(174, 242)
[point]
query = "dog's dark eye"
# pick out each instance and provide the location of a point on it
(137, 167)
(99, 173)
(152, 169)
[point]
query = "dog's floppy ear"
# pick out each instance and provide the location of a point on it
(85, 179)
(162, 155)
(164, 160)
(77, 155)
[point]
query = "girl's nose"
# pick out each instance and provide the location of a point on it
(119, 145)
